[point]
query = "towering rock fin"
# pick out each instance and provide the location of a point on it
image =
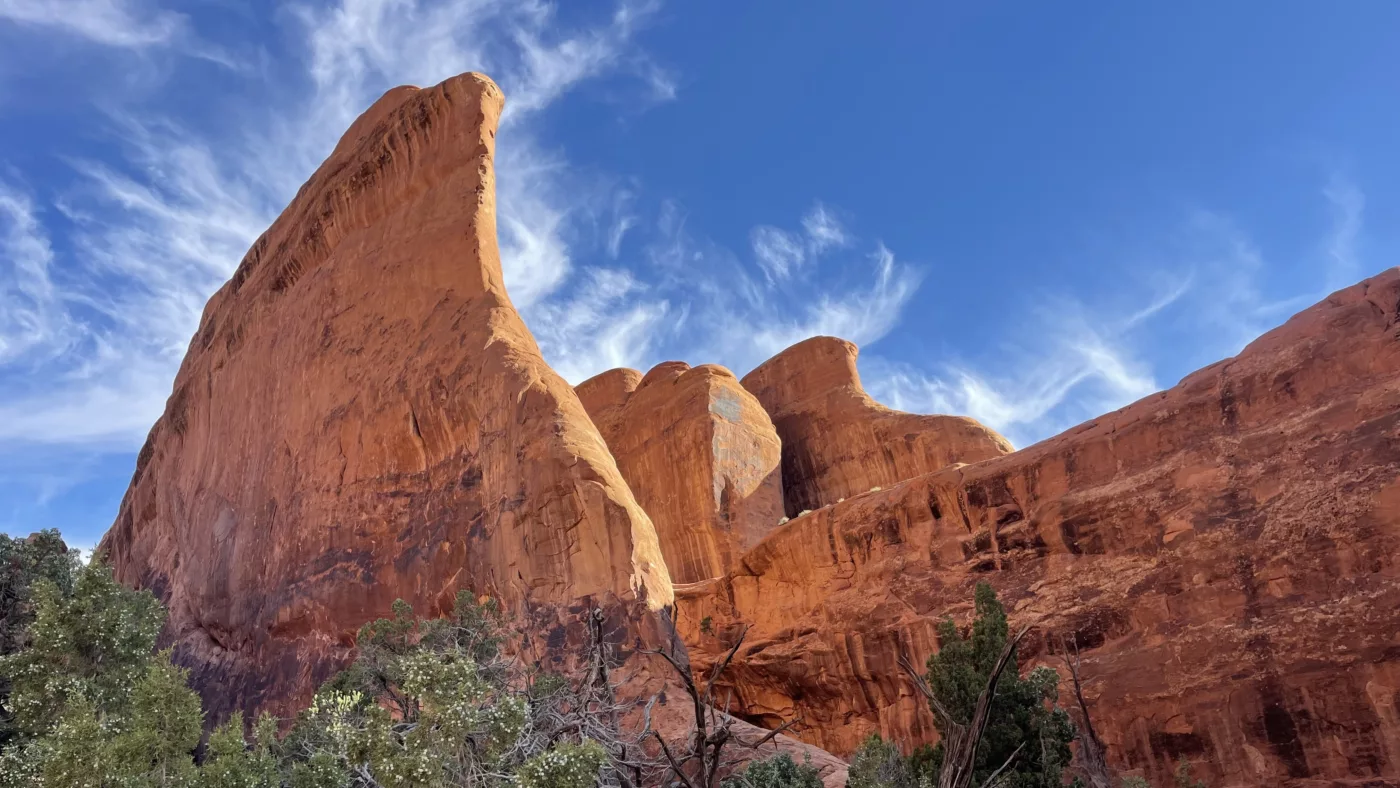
(363, 416)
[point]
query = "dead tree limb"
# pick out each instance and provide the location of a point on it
(1092, 753)
(705, 761)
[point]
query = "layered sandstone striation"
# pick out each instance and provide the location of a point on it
(838, 442)
(700, 455)
(363, 416)
(1226, 553)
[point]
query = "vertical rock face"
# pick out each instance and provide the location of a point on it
(1226, 553)
(363, 416)
(700, 454)
(838, 442)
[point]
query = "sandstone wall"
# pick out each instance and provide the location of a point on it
(1227, 552)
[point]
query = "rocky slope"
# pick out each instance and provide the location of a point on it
(1226, 553)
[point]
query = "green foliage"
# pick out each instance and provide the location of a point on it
(879, 764)
(23, 564)
(779, 771)
(93, 643)
(433, 703)
(566, 766)
(92, 704)
(1136, 782)
(1183, 776)
(1023, 712)
(229, 762)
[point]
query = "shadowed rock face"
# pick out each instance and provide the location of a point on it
(838, 442)
(1226, 554)
(363, 416)
(700, 455)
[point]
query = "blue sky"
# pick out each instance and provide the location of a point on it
(1026, 212)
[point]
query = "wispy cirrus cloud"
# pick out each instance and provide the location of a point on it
(113, 23)
(783, 253)
(152, 233)
(1207, 291)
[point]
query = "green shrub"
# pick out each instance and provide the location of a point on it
(778, 771)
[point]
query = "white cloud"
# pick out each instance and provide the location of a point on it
(1075, 369)
(736, 318)
(823, 230)
(782, 254)
(154, 234)
(860, 314)
(778, 252)
(1348, 204)
(113, 23)
(1204, 298)
(608, 321)
(31, 317)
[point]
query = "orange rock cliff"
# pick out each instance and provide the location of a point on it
(363, 416)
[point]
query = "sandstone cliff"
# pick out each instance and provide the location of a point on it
(700, 454)
(838, 442)
(363, 416)
(1226, 552)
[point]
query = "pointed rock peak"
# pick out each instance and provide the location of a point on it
(363, 417)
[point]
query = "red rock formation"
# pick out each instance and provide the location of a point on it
(1227, 552)
(700, 455)
(838, 442)
(363, 416)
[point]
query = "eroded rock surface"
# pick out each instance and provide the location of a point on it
(363, 416)
(838, 442)
(1227, 553)
(699, 453)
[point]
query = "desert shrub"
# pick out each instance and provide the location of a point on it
(778, 771)
(1024, 713)
(879, 764)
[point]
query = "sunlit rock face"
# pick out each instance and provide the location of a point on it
(838, 442)
(363, 416)
(1225, 553)
(701, 456)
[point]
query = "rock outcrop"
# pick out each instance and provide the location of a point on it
(838, 442)
(700, 455)
(1226, 553)
(363, 416)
